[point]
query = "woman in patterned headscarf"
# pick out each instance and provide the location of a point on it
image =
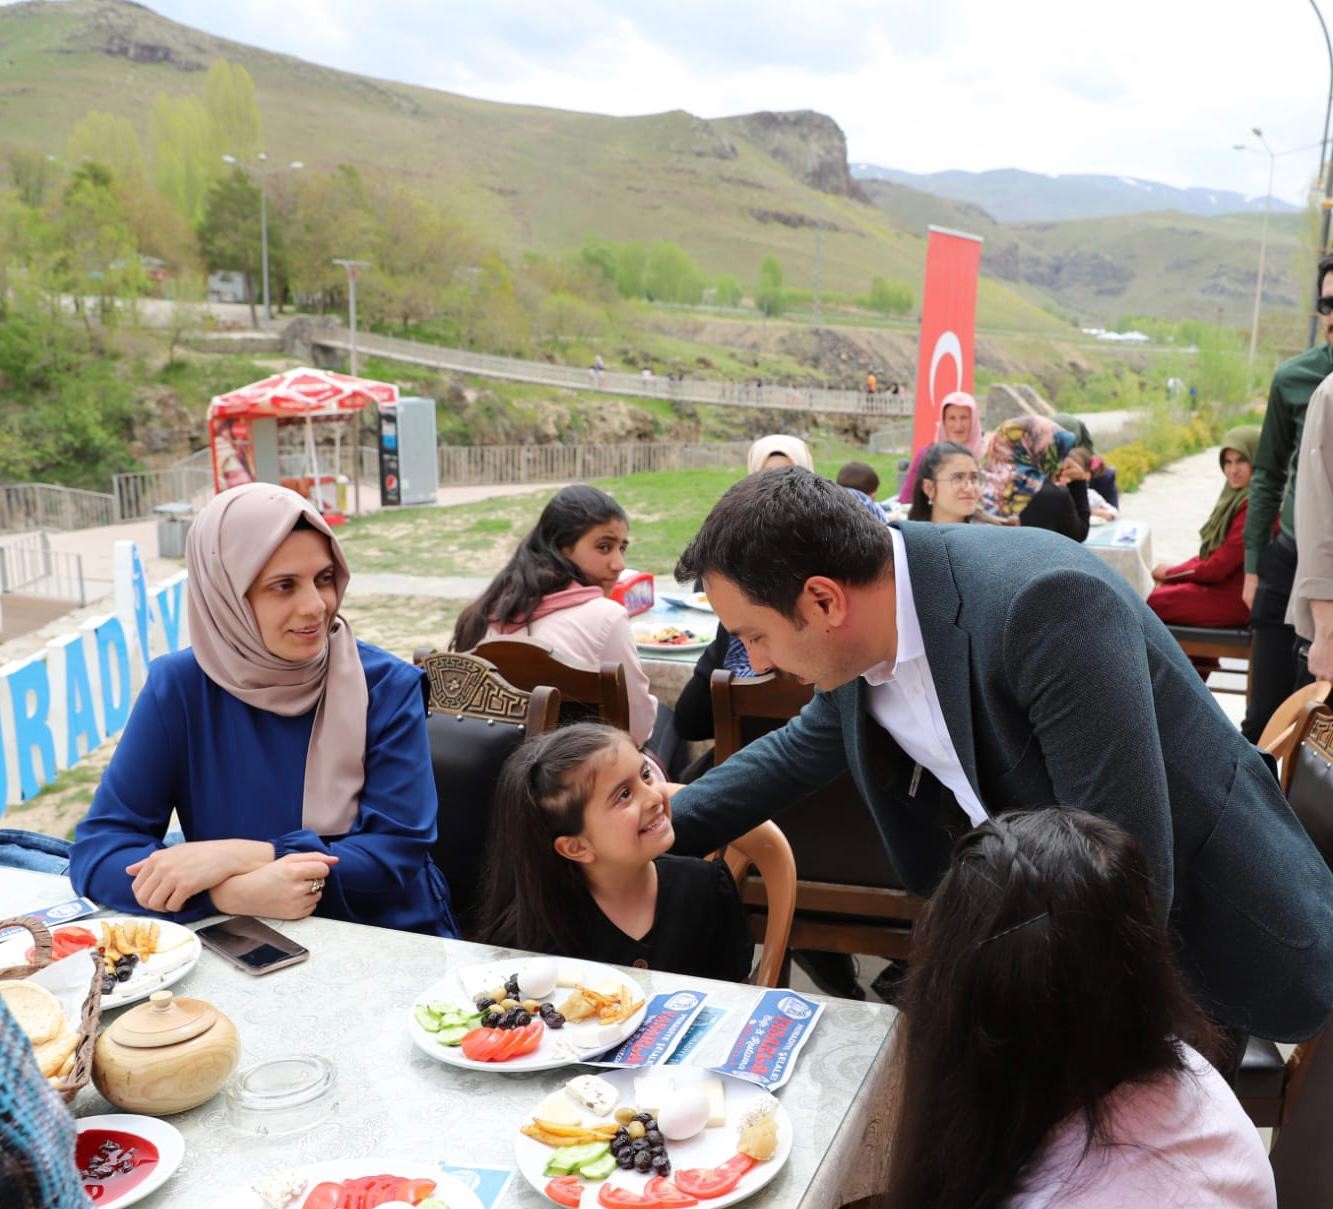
(1028, 473)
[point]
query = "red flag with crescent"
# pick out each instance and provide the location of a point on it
(948, 325)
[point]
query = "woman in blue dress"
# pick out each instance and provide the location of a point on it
(294, 756)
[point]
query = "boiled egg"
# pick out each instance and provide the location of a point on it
(538, 978)
(684, 1114)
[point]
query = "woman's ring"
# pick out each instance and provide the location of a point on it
(316, 885)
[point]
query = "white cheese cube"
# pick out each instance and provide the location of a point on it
(596, 1094)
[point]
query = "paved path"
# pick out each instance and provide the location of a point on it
(1175, 502)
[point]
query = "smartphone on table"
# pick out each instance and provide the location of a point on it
(251, 945)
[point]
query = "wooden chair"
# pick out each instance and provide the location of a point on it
(1269, 1088)
(527, 664)
(766, 849)
(1279, 738)
(848, 899)
(475, 719)
(1203, 642)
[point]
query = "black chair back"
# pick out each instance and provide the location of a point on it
(1309, 777)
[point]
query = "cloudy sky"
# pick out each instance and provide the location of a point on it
(1160, 89)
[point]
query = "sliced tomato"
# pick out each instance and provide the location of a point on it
(324, 1196)
(65, 942)
(614, 1198)
(414, 1191)
(531, 1038)
(509, 1047)
(566, 1190)
(666, 1194)
(708, 1182)
(481, 1043)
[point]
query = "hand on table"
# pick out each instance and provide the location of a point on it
(281, 889)
(1249, 588)
(168, 878)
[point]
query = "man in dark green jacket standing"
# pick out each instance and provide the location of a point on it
(1270, 559)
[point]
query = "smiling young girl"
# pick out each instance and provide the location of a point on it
(578, 864)
(556, 590)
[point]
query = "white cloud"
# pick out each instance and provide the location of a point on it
(1147, 89)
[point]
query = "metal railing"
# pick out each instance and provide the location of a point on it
(25, 506)
(29, 565)
(138, 492)
(471, 465)
(681, 390)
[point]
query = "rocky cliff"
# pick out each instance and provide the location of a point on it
(812, 145)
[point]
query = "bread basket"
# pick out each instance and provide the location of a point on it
(77, 1078)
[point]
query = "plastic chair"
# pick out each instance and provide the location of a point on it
(766, 848)
(476, 719)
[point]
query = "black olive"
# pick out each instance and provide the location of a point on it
(654, 1137)
(640, 1144)
(511, 985)
(108, 983)
(625, 1158)
(622, 1134)
(643, 1161)
(522, 1019)
(123, 973)
(482, 1002)
(661, 1164)
(491, 1019)
(555, 1020)
(647, 1119)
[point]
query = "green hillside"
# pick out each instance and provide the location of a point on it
(1171, 264)
(528, 179)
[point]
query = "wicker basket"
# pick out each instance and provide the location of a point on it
(78, 1077)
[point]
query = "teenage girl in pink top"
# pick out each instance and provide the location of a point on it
(1040, 1042)
(556, 588)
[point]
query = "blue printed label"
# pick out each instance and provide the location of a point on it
(664, 1026)
(765, 1049)
(698, 1030)
(52, 917)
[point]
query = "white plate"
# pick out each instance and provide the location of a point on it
(711, 1148)
(565, 1046)
(643, 638)
(694, 600)
(670, 648)
(451, 1190)
(177, 954)
(167, 1138)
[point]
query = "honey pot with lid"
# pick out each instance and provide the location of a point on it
(166, 1055)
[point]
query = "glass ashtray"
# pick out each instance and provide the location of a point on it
(282, 1095)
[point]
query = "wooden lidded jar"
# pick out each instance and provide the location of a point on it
(166, 1055)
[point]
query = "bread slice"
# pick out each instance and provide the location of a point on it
(51, 1055)
(37, 1011)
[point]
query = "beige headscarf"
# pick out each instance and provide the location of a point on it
(229, 543)
(792, 447)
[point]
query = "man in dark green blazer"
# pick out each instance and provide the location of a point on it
(964, 671)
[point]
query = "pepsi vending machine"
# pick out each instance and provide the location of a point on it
(409, 465)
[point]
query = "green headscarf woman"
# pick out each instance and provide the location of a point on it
(1243, 441)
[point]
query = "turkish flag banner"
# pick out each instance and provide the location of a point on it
(948, 326)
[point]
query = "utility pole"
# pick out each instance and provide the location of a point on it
(352, 267)
(1263, 249)
(262, 170)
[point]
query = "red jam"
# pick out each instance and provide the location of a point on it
(111, 1163)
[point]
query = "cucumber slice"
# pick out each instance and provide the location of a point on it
(427, 1019)
(453, 1034)
(570, 1158)
(598, 1169)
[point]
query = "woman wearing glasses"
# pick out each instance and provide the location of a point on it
(948, 485)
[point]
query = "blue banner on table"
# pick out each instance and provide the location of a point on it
(53, 917)
(765, 1049)
(664, 1026)
(699, 1028)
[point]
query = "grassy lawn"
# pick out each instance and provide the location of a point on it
(665, 510)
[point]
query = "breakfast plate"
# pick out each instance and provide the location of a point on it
(598, 1007)
(693, 1135)
(143, 954)
(123, 1157)
(449, 1190)
(670, 638)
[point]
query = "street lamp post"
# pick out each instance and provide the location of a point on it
(1263, 249)
(263, 170)
(352, 267)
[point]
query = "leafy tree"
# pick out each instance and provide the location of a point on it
(110, 140)
(630, 264)
(769, 296)
(231, 110)
(94, 249)
(669, 275)
(727, 291)
(229, 235)
(35, 176)
(186, 160)
(887, 297)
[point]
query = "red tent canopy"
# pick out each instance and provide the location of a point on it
(300, 392)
